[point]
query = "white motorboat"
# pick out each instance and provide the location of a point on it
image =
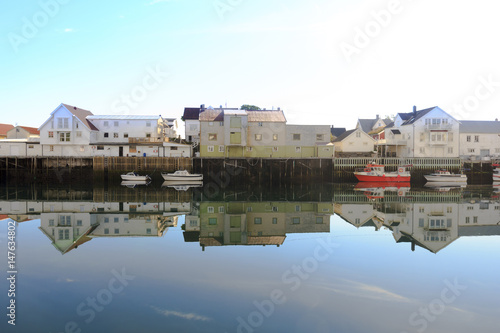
(133, 176)
(446, 177)
(182, 175)
(134, 183)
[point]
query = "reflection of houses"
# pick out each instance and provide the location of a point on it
(259, 223)
(431, 224)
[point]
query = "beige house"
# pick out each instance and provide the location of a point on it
(479, 139)
(355, 142)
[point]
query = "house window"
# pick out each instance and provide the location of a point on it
(64, 136)
(249, 209)
(275, 209)
(297, 149)
(117, 231)
(275, 137)
(471, 150)
(319, 137)
(260, 124)
(148, 124)
(476, 138)
(212, 221)
(221, 123)
(125, 135)
(257, 220)
(295, 220)
(100, 147)
(115, 135)
(319, 220)
(221, 149)
(358, 134)
(467, 220)
(62, 123)
(106, 231)
(106, 135)
(148, 135)
(258, 137)
(106, 123)
(82, 148)
(275, 220)
(106, 220)
(51, 134)
(132, 149)
(450, 150)
(297, 208)
(468, 138)
(79, 223)
(173, 148)
(116, 220)
(210, 209)
(296, 137)
(212, 137)
(51, 223)
(221, 209)
(31, 146)
(78, 134)
(275, 149)
(148, 231)
(474, 219)
(51, 148)
(116, 124)
(210, 149)
(249, 148)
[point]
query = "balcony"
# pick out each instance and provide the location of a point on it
(147, 140)
(438, 127)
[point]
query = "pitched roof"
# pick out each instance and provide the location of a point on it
(266, 240)
(344, 135)
(417, 115)
(82, 115)
(4, 128)
(337, 131)
(123, 117)
(366, 124)
(405, 116)
(212, 115)
(31, 130)
(191, 113)
(266, 116)
(479, 126)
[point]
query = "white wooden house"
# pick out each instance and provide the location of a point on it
(479, 139)
(354, 142)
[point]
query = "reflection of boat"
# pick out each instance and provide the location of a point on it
(375, 190)
(376, 173)
(133, 176)
(182, 185)
(134, 183)
(446, 176)
(496, 173)
(445, 186)
(182, 175)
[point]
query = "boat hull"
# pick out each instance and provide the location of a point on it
(135, 178)
(384, 178)
(170, 177)
(446, 178)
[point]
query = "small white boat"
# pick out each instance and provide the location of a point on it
(182, 175)
(446, 177)
(180, 185)
(133, 176)
(134, 183)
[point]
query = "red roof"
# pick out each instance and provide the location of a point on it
(4, 128)
(31, 130)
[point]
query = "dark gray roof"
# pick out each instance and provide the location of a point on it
(366, 124)
(486, 230)
(344, 135)
(417, 115)
(191, 113)
(479, 126)
(405, 116)
(337, 131)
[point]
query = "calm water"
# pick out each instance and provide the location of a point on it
(311, 258)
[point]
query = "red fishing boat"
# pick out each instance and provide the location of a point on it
(376, 173)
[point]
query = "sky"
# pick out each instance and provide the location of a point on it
(321, 61)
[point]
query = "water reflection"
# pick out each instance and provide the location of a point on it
(431, 218)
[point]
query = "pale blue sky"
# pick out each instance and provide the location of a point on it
(285, 53)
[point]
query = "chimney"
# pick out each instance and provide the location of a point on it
(378, 116)
(279, 109)
(414, 109)
(202, 107)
